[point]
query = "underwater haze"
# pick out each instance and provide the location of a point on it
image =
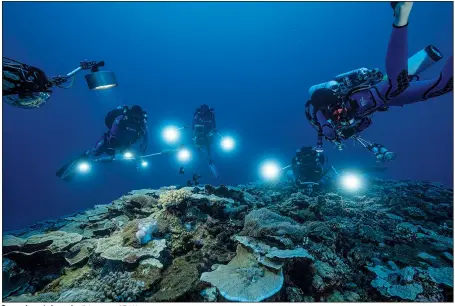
(252, 62)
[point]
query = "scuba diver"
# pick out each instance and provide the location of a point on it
(194, 181)
(342, 108)
(204, 129)
(182, 170)
(196, 177)
(311, 169)
(308, 165)
(26, 86)
(126, 126)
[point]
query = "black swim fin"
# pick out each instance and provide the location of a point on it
(213, 170)
(67, 172)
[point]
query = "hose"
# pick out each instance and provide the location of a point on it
(70, 85)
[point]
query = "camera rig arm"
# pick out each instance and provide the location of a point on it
(85, 65)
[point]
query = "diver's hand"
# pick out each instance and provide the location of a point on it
(402, 11)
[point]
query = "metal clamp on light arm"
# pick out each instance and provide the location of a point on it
(363, 142)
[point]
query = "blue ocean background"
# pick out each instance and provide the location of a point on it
(253, 62)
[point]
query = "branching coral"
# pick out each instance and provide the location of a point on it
(174, 197)
(119, 287)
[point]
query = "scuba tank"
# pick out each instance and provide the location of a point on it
(110, 117)
(344, 82)
(126, 110)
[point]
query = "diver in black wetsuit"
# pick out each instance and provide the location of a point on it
(308, 165)
(126, 126)
(204, 128)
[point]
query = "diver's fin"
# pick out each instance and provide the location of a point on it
(67, 172)
(213, 170)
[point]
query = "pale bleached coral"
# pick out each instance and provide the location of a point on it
(174, 197)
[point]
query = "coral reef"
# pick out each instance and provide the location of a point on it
(255, 242)
(253, 282)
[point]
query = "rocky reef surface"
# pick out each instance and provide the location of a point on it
(255, 242)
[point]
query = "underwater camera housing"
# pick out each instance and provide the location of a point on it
(28, 87)
(24, 86)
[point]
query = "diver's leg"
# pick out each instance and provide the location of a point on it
(397, 54)
(101, 146)
(212, 167)
(425, 89)
(209, 150)
(444, 84)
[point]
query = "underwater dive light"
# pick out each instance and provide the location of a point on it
(270, 170)
(171, 134)
(128, 155)
(100, 79)
(423, 59)
(183, 155)
(227, 143)
(351, 182)
(83, 167)
(96, 80)
(144, 164)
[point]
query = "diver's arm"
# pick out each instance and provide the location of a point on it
(194, 121)
(115, 129)
(326, 127)
(214, 122)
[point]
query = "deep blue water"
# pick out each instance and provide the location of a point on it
(253, 62)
